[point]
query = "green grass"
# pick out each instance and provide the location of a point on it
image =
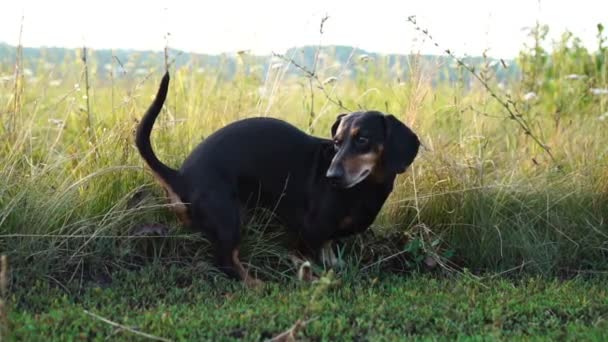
(179, 305)
(481, 196)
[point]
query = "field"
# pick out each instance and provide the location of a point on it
(496, 231)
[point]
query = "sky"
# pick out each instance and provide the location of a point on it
(464, 26)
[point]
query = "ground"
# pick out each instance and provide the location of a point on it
(159, 301)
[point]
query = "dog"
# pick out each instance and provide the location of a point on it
(319, 189)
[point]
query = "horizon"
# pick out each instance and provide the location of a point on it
(234, 53)
(249, 26)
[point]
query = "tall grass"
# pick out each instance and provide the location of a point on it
(480, 195)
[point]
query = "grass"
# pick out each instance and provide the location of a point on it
(173, 304)
(482, 198)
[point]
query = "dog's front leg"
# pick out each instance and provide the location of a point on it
(327, 256)
(305, 272)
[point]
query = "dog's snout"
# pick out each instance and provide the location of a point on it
(335, 174)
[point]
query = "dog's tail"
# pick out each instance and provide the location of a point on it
(164, 173)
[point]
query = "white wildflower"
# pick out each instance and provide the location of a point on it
(7, 78)
(575, 77)
(599, 91)
(530, 96)
(56, 122)
(330, 80)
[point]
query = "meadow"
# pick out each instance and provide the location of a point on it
(496, 231)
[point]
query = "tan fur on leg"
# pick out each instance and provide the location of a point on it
(250, 281)
(304, 267)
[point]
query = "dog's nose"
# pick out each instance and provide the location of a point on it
(335, 174)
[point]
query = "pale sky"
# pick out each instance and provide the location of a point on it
(464, 26)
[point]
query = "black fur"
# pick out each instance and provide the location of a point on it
(401, 146)
(269, 163)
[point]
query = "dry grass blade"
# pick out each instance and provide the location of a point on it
(508, 105)
(290, 334)
(126, 328)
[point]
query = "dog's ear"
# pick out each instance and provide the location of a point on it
(401, 145)
(334, 127)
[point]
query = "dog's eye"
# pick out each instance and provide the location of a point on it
(361, 141)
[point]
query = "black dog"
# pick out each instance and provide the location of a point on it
(319, 189)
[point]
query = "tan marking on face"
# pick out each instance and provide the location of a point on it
(240, 269)
(354, 131)
(356, 164)
(177, 205)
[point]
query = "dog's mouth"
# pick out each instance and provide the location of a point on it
(361, 177)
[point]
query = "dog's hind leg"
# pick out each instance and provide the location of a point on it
(249, 280)
(220, 220)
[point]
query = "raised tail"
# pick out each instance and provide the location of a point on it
(164, 173)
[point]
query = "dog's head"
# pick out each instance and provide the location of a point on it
(370, 143)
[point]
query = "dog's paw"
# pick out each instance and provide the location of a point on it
(329, 259)
(305, 273)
